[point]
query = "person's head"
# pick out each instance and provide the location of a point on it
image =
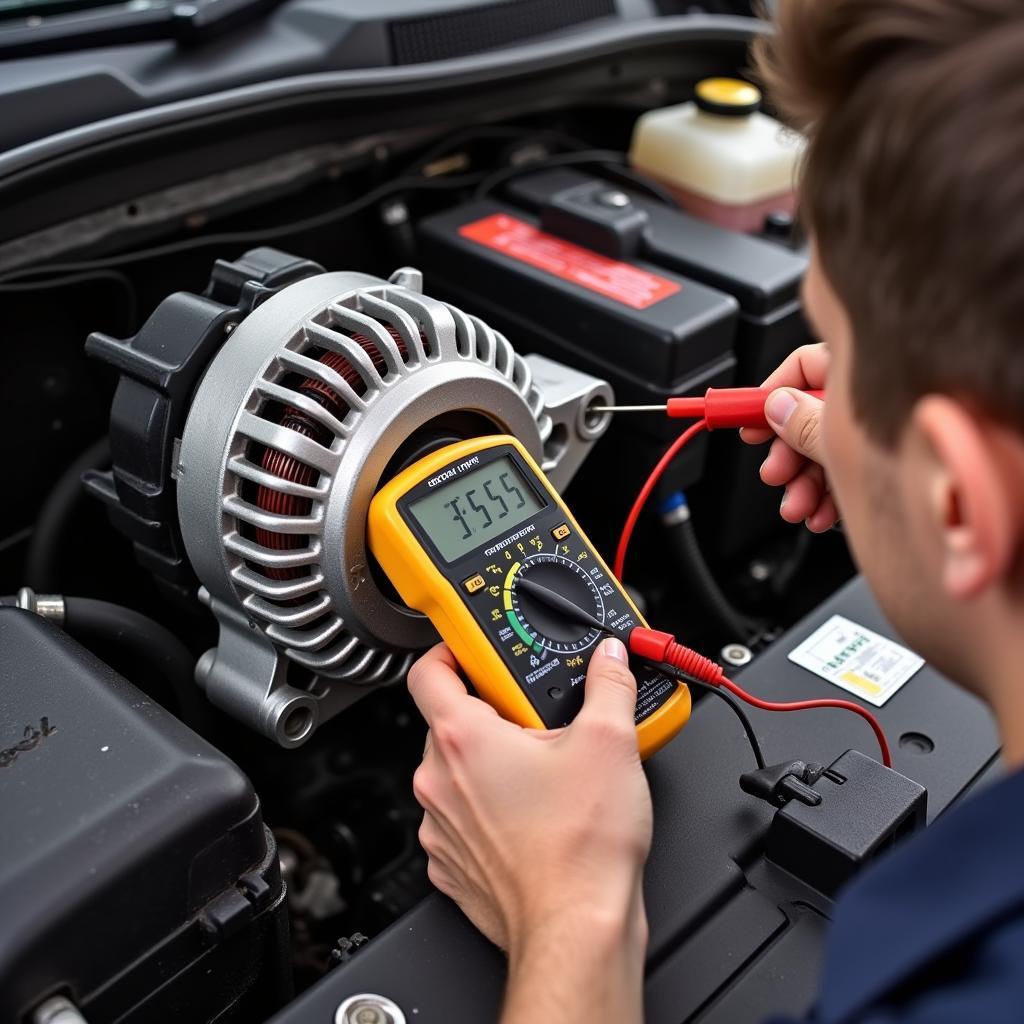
(912, 190)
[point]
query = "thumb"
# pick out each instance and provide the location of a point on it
(610, 689)
(796, 417)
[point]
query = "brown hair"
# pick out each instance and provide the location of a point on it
(913, 188)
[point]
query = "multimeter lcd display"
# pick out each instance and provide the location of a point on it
(476, 507)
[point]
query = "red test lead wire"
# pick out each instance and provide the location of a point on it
(645, 492)
(653, 645)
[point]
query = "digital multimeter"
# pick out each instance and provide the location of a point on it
(474, 537)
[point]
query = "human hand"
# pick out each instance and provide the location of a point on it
(531, 830)
(795, 459)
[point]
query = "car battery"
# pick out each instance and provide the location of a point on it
(136, 875)
(762, 274)
(652, 333)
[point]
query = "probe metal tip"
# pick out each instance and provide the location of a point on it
(628, 408)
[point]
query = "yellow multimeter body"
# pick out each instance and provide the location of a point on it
(458, 532)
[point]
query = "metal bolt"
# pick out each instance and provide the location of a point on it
(368, 1008)
(57, 1010)
(736, 654)
(760, 570)
(613, 199)
(395, 213)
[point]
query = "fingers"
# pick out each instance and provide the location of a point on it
(804, 494)
(432, 788)
(610, 695)
(439, 839)
(796, 418)
(807, 495)
(824, 517)
(808, 500)
(804, 368)
(756, 435)
(435, 685)
(781, 465)
(431, 836)
(797, 453)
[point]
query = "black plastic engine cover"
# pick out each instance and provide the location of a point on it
(136, 875)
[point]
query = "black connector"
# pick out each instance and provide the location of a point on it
(780, 783)
(861, 810)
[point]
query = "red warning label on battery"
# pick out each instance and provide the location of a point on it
(521, 241)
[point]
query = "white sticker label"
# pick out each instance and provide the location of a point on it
(857, 660)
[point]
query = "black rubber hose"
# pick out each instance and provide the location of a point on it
(683, 540)
(43, 559)
(150, 643)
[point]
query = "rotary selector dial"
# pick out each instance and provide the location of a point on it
(540, 625)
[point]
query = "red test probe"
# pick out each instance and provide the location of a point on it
(720, 408)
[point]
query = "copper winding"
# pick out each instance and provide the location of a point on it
(287, 467)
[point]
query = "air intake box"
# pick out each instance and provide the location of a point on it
(136, 875)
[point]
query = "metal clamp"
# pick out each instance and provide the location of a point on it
(46, 606)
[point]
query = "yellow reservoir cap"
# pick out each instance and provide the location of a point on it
(729, 97)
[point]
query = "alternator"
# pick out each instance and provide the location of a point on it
(328, 387)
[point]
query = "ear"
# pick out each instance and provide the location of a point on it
(971, 495)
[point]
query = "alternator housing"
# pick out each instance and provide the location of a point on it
(319, 386)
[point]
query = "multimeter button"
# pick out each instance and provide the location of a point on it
(474, 583)
(560, 532)
(555, 693)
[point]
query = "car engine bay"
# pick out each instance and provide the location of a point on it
(227, 328)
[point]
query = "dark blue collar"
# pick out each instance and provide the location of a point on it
(961, 874)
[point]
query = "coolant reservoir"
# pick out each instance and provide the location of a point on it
(719, 155)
